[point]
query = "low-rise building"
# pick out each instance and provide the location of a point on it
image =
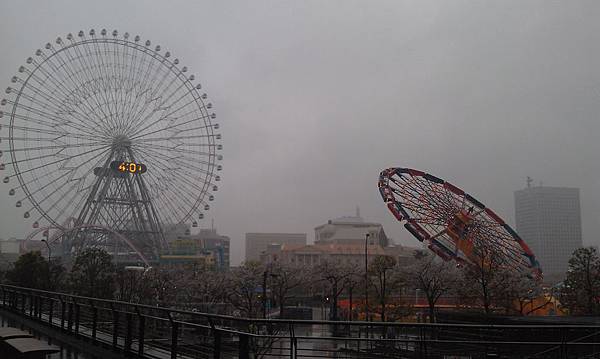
(207, 247)
(350, 230)
(257, 243)
(353, 254)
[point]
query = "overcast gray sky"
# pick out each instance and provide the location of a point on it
(314, 98)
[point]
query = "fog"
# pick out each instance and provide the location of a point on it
(315, 98)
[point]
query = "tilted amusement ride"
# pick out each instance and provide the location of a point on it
(454, 224)
(107, 139)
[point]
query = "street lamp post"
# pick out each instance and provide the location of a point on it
(49, 250)
(366, 278)
(264, 294)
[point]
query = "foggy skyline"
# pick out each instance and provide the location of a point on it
(315, 98)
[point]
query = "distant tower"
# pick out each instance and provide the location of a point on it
(549, 221)
(357, 211)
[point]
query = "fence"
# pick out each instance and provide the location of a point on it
(152, 332)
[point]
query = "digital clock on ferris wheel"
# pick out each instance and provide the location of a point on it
(128, 167)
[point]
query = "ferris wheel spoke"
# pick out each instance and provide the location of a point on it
(58, 134)
(180, 150)
(183, 170)
(69, 203)
(59, 85)
(94, 71)
(134, 103)
(124, 101)
(35, 179)
(165, 202)
(102, 74)
(153, 95)
(77, 83)
(190, 163)
(91, 77)
(110, 73)
(186, 115)
(55, 117)
(179, 138)
(165, 168)
(435, 204)
(186, 184)
(163, 107)
(126, 117)
(56, 189)
(63, 147)
(53, 162)
(141, 135)
(29, 159)
(65, 123)
(56, 88)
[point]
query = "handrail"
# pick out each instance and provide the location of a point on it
(314, 322)
(159, 332)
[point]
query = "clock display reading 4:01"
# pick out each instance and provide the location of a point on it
(128, 167)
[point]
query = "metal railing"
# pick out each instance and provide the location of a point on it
(153, 332)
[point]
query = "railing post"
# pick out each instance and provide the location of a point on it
(23, 303)
(63, 308)
(70, 318)
(31, 314)
(216, 339)
(293, 342)
(40, 307)
(174, 333)
(244, 349)
(128, 333)
(3, 297)
(142, 327)
(94, 320)
(421, 348)
(115, 326)
(216, 344)
(50, 310)
(77, 309)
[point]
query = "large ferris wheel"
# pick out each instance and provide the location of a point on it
(107, 131)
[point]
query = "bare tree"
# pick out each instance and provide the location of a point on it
(242, 284)
(352, 282)
(434, 278)
(581, 289)
(163, 286)
(480, 275)
(284, 279)
(334, 275)
(133, 286)
(384, 280)
(520, 293)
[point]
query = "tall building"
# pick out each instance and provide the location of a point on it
(549, 221)
(256, 243)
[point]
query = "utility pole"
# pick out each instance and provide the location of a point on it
(366, 277)
(264, 294)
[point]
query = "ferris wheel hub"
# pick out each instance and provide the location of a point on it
(121, 141)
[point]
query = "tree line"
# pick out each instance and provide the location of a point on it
(255, 289)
